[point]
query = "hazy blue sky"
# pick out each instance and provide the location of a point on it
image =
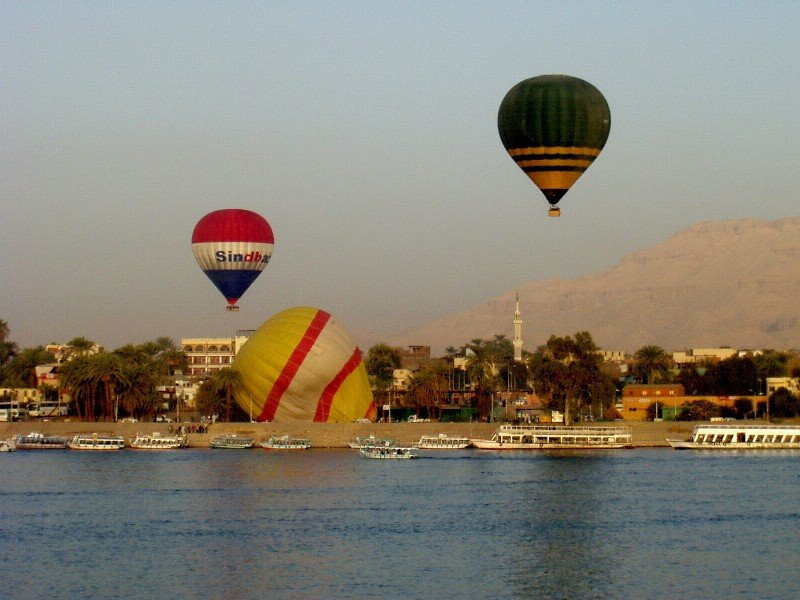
(366, 133)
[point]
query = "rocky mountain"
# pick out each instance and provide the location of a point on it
(731, 283)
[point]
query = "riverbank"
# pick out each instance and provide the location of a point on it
(327, 435)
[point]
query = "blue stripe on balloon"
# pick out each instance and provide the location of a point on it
(232, 284)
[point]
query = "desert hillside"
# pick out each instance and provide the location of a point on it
(731, 283)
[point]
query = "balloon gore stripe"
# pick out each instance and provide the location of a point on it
(326, 400)
(293, 365)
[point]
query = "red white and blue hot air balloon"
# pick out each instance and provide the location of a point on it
(232, 246)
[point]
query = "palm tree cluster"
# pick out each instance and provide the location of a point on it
(101, 384)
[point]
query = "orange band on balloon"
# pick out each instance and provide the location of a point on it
(293, 365)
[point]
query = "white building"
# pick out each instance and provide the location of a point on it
(208, 355)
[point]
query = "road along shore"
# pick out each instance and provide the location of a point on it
(326, 435)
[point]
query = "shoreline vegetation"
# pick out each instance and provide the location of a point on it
(646, 434)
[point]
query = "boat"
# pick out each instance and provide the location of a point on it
(388, 452)
(36, 440)
(286, 442)
(555, 437)
(7, 446)
(156, 441)
(96, 441)
(371, 440)
(232, 442)
(443, 442)
(739, 437)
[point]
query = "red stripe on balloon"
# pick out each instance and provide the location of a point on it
(326, 399)
(291, 367)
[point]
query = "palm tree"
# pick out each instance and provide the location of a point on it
(425, 389)
(107, 369)
(22, 368)
(480, 371)
(74, 379)
(81, 346)
(229, 381)
(651, 361)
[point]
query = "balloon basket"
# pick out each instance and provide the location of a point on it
(233, 308)
(554, 212)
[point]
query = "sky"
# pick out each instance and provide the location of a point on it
(366, 134)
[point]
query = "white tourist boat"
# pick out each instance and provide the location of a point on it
(157, 441)
(443, 442)
(96, 441)
(738, 437)
(554, 437)
(7, 446)
(286, 442)
(371, 440)
(39, 441)
(388, 452)
(232, 442)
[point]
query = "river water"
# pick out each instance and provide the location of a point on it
(467, 524)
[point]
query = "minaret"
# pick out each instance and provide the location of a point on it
(517, 332)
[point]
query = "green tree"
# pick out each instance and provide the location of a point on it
(21, 370)
(567, 371)
(382, 360)
(652, 362)
(783, 404)
(480, 372)
(427, 387)
(698, 410)
(227, 382)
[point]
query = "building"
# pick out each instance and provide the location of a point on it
(636, 398)
(208, 355)
(790, 383)
(698, 355)
(414, 358)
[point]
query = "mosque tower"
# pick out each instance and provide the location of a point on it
(517, 332)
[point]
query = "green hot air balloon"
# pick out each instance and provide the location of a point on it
(554, 126)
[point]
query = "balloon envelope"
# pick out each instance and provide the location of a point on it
(302, 365)
(232, 246)
(554, 126)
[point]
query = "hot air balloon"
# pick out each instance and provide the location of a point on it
(302, 365)
(554, 126)
(232, 246)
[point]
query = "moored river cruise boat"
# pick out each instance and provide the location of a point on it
(371, 440)
(96, 441)
(232, 442)
(39, 441)
(388, 452)
(740, 437)
(554, 437)
(286, 442)
(443, 442)
(156, 441)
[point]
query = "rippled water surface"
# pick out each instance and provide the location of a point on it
(468, 524)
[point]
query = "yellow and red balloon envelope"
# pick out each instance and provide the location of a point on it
(302, 365)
